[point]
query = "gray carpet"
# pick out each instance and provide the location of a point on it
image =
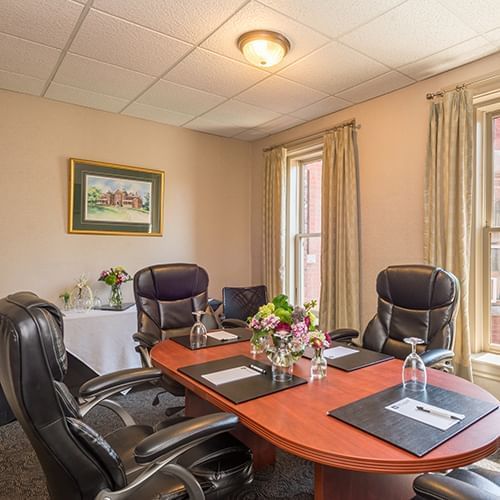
(21, 477)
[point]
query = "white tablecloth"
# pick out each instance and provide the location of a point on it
(102, 339)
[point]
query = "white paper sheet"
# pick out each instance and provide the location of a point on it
(222, 335)
(408, 408)
(230, 375)
(339, 352)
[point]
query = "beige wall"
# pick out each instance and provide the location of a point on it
(392, 148)
(207, 202)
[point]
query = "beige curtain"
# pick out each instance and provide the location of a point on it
(448, 204)
(274, 220)
(339, 298)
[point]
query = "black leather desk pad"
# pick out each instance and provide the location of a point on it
(360, 359)
(243, 390)
(244, 334)
(369, 414)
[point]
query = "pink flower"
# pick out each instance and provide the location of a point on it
(299, 329)
(283, 327)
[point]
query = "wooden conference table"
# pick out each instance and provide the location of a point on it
(349, 463)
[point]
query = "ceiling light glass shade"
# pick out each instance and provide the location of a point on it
(263, 48)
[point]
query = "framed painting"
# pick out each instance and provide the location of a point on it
(105, 198)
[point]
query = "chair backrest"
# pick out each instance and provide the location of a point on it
(413, 301)
(77, 462)
(242, 302)
(166, 296)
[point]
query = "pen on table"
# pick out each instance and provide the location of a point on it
(257, 369)
(439, 413)
(227, 340)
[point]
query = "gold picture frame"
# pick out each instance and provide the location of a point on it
(109, 198)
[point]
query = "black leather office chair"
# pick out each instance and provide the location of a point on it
(193, 457)
(239, 303)
(413, 301)
(166, 296)
(459, 484)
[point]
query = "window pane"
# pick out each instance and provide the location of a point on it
(496, 171)
(495, 289)
(310, 268)
(311, 207)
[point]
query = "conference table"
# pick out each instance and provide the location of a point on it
(348, 463)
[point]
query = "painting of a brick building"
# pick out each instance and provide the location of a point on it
(120, 198)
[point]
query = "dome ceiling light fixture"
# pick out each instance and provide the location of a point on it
(263, 48)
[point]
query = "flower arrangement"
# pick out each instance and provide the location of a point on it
(115, 277)
(319, 340)
(280, 316)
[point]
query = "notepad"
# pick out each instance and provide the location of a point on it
(408, 408)
(222, 335)
(230, 375)
(339, 352)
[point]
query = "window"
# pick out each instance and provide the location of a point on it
(489, 126)
(304, 225)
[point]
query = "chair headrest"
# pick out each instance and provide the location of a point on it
(168, 282)
(417, 286)
(40, 317)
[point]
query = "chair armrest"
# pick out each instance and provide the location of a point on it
(438, 486)
(118, 381)
(145, 339)
(435, 356)
(343, 334)
(214, 304)
(177, 436)
(234, 323)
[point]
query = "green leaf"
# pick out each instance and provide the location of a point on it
(281, 302)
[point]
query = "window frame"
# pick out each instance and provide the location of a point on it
(296, 159)
(486, 112)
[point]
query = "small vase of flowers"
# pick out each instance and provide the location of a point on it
(318, 341)
(115, 277)
(285, 329)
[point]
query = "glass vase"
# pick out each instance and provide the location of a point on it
(281, 357)
(258, 342)
(116, 296)
(318, 364)
(414, 373)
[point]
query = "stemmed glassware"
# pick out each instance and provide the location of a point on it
(414, 372)
(198, 334)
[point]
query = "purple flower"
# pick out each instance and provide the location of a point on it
(270, 323)
(299, 329)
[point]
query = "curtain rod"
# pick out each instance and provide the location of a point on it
(441, 93)
(317, 135)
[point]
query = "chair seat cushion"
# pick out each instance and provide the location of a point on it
(124, 440)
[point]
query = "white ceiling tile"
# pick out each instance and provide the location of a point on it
(377, 86)
(21, 83)
(119, 42)
(480, 15)
(493, 36)
(157, 114)
(282, 123)
(49, 22)
(251, 135)
(321, 108)
(204, 125)
(280, 95)
(448, 59)
(333, 18)
(27, 58)
(255, 16)
(189, 20)
(84, 73)
(210, 72)
(238, 113)
(413, 30)
(334, 68)
(84, 97)
(175, 97)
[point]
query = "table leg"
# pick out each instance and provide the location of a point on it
(264, 453)
(339, 484)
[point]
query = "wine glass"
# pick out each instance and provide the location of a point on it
(414, 372)
(198, 334)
